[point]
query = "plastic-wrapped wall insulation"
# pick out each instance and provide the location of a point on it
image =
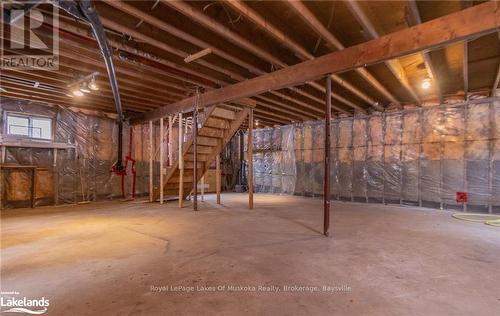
(419, 157)
(82, 171)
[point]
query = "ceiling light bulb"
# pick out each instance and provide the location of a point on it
(426, 83)
(256, 123)
(77, 93)
(93, 85)
(84, 90)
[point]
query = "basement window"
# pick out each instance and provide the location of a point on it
(29, 126)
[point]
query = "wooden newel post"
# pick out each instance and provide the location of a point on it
(326, 183)
(250, 159)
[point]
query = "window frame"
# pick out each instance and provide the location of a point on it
(30, 118)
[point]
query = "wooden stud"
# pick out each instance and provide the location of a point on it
(250, 159)
(151, 161)
(161, 159)
(203, 188)
(217, 177)
(181, 164)
(195, 160)
(56, 177)
(33, 187)
(2, 148)
(170, 141)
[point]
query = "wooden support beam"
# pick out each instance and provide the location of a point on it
(195, 159)
(151, 154)
(393, 65)
(250, 159)
(227, 33)
(181, 163)
(326, 182)
(162, 136)
(170, 141)
(465, 70)
(320, 29)
(198, 55)
(426, 36)
(217, 177)
(158, 23)
(431, 69)
(300, 51)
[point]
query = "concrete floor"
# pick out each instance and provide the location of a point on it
(104, 259)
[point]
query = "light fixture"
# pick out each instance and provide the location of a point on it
(256, 122)
(83, 89)
(93, 85)
(77, 93)
(426, 83)
(85, 84)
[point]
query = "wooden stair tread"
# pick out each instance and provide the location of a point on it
(218, 127)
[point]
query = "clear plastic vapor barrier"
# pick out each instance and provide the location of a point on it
(429, 157)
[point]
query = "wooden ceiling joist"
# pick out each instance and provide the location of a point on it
(300, 51)
(393, 65)
(135, 51)
(431, 69)
(426, 36)
(143, 38)
(157, 43)
(120, 5)
(234, 38)
(320, 29)
(62, 77)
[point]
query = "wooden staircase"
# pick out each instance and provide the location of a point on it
(218, 125)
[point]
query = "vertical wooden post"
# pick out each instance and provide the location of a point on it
(217, 177)
(181, 165)
(151, 161)
(33, 187)
(2, 148)
(202, 188)
(162, 137)
(170, 141)
(326, 183)
(195, 160)
(56, 178)
(250, 159)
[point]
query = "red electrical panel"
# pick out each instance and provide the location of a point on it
(462, 197)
